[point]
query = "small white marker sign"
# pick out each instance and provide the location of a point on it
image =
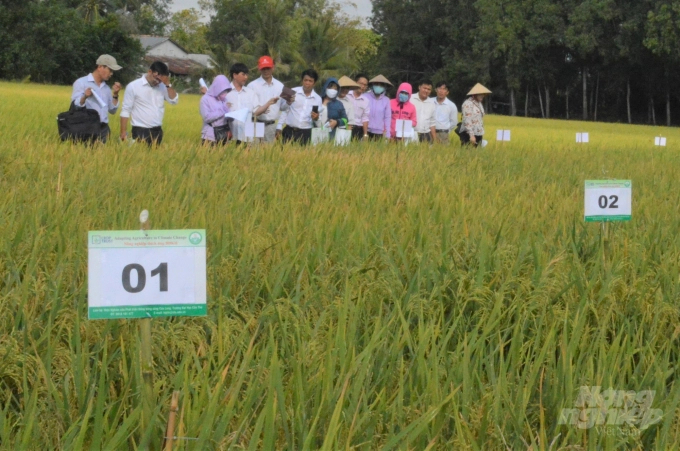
(143, 274)
(582, 137)
(660, 141)
(502, 135)
(608, 200)
(254, 130)
(404, 128)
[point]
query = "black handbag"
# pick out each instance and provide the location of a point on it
(457, 129)
(221, 133)
(79, 124)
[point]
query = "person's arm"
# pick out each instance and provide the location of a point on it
(341, 119)
(279, 125)
(453, 115)
(364, 118)
(113, 103)
(433, 124)
(128, 102)
(171, 95)
(387, 121)
(80, 93)
(265, 107)
(123, 128)
(208, 113)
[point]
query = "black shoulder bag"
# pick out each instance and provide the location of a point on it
(79, 124)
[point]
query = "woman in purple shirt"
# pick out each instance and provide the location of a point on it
(380, 115)
(213, 108)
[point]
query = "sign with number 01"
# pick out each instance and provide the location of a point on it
(143, 274)
(608, 200)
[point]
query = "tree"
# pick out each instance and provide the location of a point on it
(51, 43)
(415, 37)
(662, 38)
(187, 30)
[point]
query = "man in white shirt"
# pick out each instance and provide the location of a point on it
(241, 97)
(145, 100)
(301, 111)
(446, 113)
(92, 92)
(425, 126)
(361, 108)
(267, 87)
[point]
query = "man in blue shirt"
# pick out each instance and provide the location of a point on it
(91, 91)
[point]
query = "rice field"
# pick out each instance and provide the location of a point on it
(373, 297)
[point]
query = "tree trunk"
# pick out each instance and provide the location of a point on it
(597, 93)
(630, 119)
(547, 103)
(653, 109)
(585, 96)
(567, 103)
(513, 105)
(526, 103)
(540, 101)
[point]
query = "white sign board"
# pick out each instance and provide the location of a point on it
(144, 274)
(608, 200)
(342, 136)
(660, 141)
(320, 135)
(502, 135)
(404, 128)
(582, 137)
(254, 130)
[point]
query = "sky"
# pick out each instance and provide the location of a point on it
(355, 9)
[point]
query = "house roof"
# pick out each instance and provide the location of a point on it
(149, 42)
(177, 66)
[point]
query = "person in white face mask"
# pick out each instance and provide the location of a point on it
(333, 113)
(213, 107)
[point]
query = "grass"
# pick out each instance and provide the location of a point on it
(440, 299)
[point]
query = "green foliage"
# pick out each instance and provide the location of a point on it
(550, 46)
(186, 29)
(298, 35)
(53, 44)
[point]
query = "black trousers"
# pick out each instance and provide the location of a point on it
(105, 132)
(375, 136)
(299, 135)
(465, 140)
(357, 132)
(425, 137)
(151, 136)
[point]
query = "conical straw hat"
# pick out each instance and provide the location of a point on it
(478, 89)
(380, 79)
(346, 82)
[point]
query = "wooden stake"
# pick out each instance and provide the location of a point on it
(146, 357)
(170, 431)
(59, 181)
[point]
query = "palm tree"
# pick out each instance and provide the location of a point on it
(92, 10)
(325, 48)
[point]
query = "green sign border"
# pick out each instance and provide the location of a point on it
(147, 311)
(607, 218)
(130, 239)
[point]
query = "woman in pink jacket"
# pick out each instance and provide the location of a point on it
(402, 108)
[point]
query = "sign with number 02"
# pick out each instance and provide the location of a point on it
(608, 200)
(138, 274)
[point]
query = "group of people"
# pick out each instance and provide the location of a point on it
(360, 107)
